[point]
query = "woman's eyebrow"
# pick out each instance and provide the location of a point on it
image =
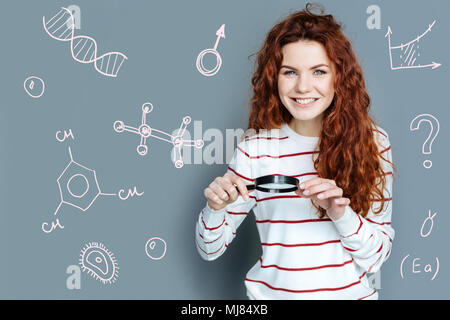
(313, 67)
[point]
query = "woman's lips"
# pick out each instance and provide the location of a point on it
(303, 105)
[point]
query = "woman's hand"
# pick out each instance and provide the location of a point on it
(326, 195)
(222, 191)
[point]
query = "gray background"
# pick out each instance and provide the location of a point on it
(162, 40)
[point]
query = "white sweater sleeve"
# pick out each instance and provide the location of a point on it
(369, 239)
(215, 229)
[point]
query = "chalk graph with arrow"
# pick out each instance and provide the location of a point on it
(406, 54)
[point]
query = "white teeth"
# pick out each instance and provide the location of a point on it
(305, 101)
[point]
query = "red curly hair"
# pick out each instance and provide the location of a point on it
(348, 152)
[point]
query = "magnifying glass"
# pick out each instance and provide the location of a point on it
(275, 184)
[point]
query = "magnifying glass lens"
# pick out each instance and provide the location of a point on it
(276, 186)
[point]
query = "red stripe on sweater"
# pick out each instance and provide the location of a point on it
(379, 258)
(386, 235)
(274, 197)
(359, 228)
(292, 221)
(348, 249)
(213, 228)
(276, 157)
(237, 213)
(380, 132)
(208, 253)
(294, 176)
(240, 175)
(379, 223)
(380, 248)
(388, 148)
(305, 269)
(300, 244)
(209, 242)
(303, 291)
(374, 291)
(267, 138)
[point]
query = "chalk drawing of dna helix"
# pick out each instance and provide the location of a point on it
(145, 131)
(84, 49)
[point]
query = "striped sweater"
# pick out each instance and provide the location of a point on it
(303, 256)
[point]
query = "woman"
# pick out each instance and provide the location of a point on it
(310, 110)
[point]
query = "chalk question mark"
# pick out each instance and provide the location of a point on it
(434, 124)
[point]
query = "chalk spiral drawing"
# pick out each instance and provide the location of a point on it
(145, 131)
(406, 52)
(80, 199)
(199, 63)
(83, 48)
(153, 244)
(34, 86)
(99, 262)
(434, 130)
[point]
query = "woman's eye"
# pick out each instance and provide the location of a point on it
(322, 72)
(289, 72)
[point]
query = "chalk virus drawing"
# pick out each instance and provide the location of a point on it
(78, 187)
(199, 63)
(145, 131)
(34, 86)
(83, 48)
(155, 248)
(405, 53)
(99, 262)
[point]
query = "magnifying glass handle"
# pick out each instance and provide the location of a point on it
(249, 187)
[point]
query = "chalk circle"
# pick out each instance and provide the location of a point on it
(199, 143)
(200, 66)
(34, 86)
(147, 107)
(86, 185)
(153, 243)
(427, 164)
(119, 126)
(142, 149)
(186, 120)
(179, 164)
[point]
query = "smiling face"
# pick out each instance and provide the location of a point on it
(306, 73)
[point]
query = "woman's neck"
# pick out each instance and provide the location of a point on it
(310, 128)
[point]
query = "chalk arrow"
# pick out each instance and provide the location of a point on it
(435, 65)
(389, 32)
(220, 33)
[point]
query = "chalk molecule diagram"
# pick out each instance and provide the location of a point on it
(99, 262)
(199, 63)
(34, 86)
(69, 181)
(406, 52)
(145, 131)
(83, 48)
(80, 200)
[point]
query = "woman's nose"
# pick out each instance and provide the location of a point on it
(303, 83)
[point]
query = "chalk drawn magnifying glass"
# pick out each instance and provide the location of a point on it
(275, 184)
